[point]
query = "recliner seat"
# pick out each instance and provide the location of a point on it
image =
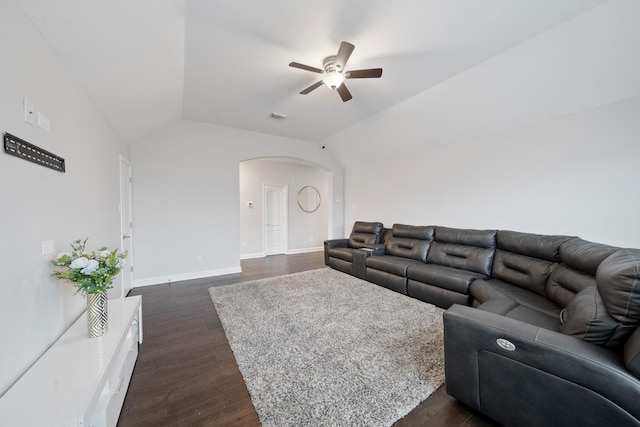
(407, 246)
(339, 253)
(456, 259)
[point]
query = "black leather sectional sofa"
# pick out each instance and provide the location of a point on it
(539, 330)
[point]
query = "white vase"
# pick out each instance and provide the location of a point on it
(97, 315)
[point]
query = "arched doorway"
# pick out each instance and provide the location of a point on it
(304, 231)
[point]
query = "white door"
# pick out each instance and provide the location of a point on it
(126, 224)
(275, 219)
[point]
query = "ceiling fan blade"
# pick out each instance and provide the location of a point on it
(306, 67)
(312, 87)
(344, 92)
(343, 55)
(363, 74)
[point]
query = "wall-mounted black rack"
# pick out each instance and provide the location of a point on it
(21, 148)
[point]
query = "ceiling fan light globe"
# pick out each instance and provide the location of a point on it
(333, 79)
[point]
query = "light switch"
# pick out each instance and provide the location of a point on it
(29, 115)
(47, 247)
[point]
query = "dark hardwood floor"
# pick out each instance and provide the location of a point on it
(186, 374)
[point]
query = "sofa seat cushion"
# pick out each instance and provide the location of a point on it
(453, 279)
(516, 303)
(391, 264)
(345, 254)
(632, 353)
(534, 317)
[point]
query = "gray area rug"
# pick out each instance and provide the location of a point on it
(322, 348)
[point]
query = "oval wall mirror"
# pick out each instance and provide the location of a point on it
(309, 198)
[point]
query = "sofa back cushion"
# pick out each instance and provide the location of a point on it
(461, 236)
(584, 256)
(365, 233)
(586, 318)
(469, 258)
(564, 284)
(408, 248)
(410, 241)
(526, 259)
(531, 245)
(609, 312)
(470, 250)
(618, 280)
(423, 232)
(580, 260)
(521, 270)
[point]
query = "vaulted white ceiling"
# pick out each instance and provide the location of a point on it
(148, 63)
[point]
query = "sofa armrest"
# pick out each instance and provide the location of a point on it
(360, 259)
(333, 243)
(336, 243)
(537, 376)
(376, 248)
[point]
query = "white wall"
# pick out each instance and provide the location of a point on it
(575, 175)
(186, 197)
(542, 138)
(41, 204)
(307, 230)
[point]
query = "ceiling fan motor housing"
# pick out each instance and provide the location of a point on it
(333, 72)
(329, 64)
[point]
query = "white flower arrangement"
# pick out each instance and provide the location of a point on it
(90, 273)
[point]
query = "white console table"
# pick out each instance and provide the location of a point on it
(79, 381)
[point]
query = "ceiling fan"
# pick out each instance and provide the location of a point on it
(334, 73)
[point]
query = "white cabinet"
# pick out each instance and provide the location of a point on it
(79, 381)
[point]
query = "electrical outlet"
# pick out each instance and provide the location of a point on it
(47, 247)
(198, 258)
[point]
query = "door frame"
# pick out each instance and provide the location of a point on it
(124, 162)
(285, 219)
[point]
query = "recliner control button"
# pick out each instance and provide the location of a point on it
(506, 344)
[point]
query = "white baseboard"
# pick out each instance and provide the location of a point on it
(287, 252)
(138, 283)
(251, 256)
(304, 250)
